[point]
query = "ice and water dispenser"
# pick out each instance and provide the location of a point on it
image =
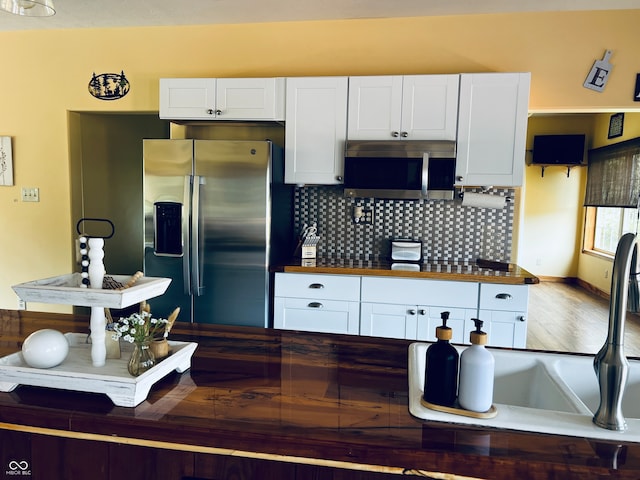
(167, 226)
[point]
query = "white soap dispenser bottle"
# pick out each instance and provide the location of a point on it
(477, 365)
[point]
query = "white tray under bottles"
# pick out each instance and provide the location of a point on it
(67, 290)
(77, 373)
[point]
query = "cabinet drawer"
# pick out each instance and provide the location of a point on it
(504, 297)
(312, 315)
(311, 286)
(420, 292)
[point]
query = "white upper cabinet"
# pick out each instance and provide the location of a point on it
(315, 130)
(412, 107)
(492, 129)
(186, 98)
(222, 98)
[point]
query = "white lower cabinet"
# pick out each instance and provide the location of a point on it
(317, 303)
(410, 308)
(413, 322)
(400, 307)
(325, 316)
(503, 308)
(460, 321)
(391, 321)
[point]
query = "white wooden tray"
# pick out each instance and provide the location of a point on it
(66, 290)
(78, 374)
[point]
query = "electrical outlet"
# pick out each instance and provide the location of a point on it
(362, 216)
(30, 194)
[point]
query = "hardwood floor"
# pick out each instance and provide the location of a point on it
(567, 318)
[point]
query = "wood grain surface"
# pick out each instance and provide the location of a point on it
(306, 399)
(436, 270)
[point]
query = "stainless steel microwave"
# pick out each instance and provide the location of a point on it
(400, 169)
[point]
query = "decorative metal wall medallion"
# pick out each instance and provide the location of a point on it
(109, 86)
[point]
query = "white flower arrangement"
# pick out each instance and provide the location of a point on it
(140, 327)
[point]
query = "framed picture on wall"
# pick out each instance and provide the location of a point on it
(616, 124)
(6, 161)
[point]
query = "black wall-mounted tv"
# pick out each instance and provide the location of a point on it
(558, 149)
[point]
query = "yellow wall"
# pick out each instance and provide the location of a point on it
(45, 75)
(550, 231)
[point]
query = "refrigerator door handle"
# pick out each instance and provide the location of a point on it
(186, 257)
(196, 278)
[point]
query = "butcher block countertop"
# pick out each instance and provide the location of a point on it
(472, 271)
(293, 400)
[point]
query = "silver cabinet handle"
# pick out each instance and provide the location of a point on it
(210, 111)
(218, 112)
(404, 134)
(316, 285)
(339, 178)
(503, 296)
(315, 305)
(411, 311)
(522, 318)
(459, 178)
(395, 134)
(422, 311)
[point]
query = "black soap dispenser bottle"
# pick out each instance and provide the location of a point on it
(441, 371)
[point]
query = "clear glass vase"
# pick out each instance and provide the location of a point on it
(142, 358)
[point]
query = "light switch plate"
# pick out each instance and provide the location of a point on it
(30, 194)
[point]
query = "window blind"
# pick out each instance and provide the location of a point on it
(613, 176)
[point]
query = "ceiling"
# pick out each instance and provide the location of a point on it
(132, 13)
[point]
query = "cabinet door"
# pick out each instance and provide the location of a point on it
(375, 105)
(250, 99)
(430, 107)
(316, 130)
(505, 328)
(316, 315)
(492, 128)
(390, 321)
(187, 98)
(459, 321)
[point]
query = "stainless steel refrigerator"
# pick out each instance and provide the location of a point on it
(216, 216)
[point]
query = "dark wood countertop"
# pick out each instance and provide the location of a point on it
(302, 398)
(510, 274)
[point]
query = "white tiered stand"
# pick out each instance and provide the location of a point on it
(85, 368)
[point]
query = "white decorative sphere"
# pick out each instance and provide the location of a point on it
(45, 348)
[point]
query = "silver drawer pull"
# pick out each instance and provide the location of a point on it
(503, 296)
(411, 311)
(316, 285)
(315, 305)
(522, 318)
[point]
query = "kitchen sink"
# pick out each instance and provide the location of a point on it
(537, 392)
(525, 381)
(585, 385)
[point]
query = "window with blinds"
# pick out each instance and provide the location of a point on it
(613, 176)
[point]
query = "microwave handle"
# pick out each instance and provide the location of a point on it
(425, 174)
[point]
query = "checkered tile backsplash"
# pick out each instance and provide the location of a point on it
(447, 230)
